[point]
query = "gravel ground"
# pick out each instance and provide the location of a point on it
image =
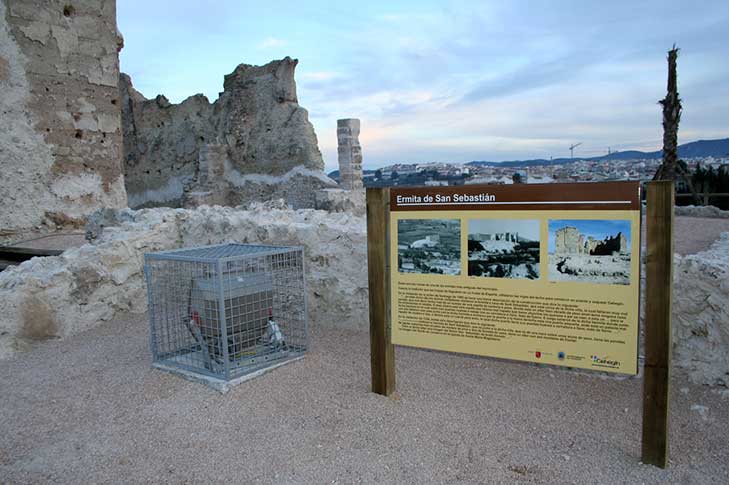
(91, 409)
(694, 234)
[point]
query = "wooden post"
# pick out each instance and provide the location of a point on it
(658, 341)
(382, 352)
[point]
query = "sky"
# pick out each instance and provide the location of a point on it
(452, 81)
(597, 228)
(528, 229)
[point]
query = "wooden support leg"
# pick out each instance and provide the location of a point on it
(659, 284)
(382, 352)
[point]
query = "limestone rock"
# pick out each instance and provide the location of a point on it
(60, 136)
(261, 134)
(701, 211)
(340, 200)
(700, 314)
(349, 153)
(266, 129)
(93, 283)
(162, 143)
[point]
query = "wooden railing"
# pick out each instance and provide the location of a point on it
(705, 196)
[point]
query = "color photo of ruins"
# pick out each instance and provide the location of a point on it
(429, 246)
(503, 248)
(590, 251)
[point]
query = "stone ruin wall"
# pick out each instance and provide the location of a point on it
(64, 295)
(568, 240)
(499, 236)
(162, 142)
(260, 139)
(60, 114)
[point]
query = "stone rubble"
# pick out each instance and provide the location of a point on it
(701, 314)
(701, 211)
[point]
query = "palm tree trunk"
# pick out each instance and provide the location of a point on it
(671, 169)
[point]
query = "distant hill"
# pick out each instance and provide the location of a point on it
(701, 148)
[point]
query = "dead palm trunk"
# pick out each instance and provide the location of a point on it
(671, 169)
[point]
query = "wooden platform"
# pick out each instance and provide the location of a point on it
(49, 245)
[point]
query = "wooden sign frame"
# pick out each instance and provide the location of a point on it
(659, 280)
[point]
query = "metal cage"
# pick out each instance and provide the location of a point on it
(226, 311)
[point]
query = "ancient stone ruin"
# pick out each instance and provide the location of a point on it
(500, 236)
(60, 142)
(79, 144)
(255, 142)
(568, 240)
(350, 154)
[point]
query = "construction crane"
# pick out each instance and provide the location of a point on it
(572, 149)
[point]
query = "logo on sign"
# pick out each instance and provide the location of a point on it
(598, 361)
(538, 354)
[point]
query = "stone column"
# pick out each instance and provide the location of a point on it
(350, 154)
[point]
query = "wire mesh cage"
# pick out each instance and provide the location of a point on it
(226, 311)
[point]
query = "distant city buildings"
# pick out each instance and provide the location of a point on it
(435, 174)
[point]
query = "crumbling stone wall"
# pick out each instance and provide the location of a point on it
(568, 240)
(63, 295)
(162, 144)
(60, 116)
(269, 145)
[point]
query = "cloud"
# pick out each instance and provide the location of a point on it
(457, 80)
(271, 42)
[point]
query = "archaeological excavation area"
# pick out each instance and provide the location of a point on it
(96, 176)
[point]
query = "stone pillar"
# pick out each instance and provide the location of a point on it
(350, 154)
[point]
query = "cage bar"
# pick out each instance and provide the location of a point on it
(224, 313)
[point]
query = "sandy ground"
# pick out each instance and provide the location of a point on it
(694, 234)
(91, 409)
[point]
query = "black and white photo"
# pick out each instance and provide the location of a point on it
(503, 248)
(429, 246)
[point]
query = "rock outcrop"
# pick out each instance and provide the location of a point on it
(701, 315)
(60, 117)
(256, 130)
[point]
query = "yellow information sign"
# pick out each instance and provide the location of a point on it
(537, 273)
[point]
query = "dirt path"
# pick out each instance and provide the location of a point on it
(91, 409)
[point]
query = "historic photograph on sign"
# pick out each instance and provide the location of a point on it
(503, 248)
(429, 246)
(590, 251)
